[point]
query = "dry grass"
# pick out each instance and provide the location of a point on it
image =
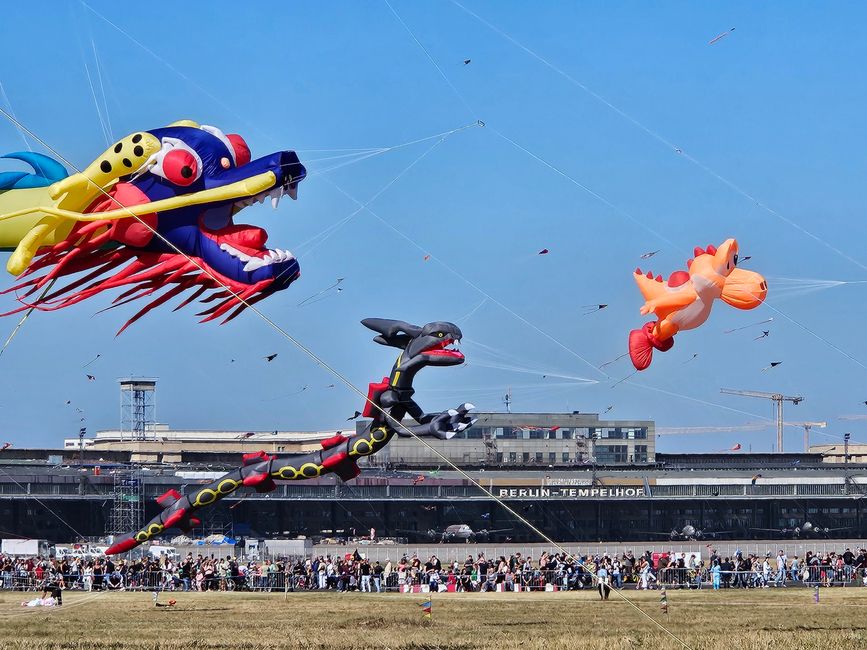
(725, 620)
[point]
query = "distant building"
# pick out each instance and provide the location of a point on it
(531, 440)
(165, 445)
(502, 439)
(837, 453)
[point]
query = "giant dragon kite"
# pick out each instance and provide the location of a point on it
(685, 301)
(154, 214)
(387, 404)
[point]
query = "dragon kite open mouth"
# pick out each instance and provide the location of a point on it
(156, 214)
(445, 348)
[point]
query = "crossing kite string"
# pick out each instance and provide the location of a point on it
(656, 136)
(12, 111)
(318, 361)
(623, 597)
(322, 237)
(321, 363)
(592, 193)
(343, 379)
(43, 504)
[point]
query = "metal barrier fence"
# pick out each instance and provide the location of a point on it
(813, 575)
(531, 580)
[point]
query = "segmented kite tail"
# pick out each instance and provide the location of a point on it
(259, 471)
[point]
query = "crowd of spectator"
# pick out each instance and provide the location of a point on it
(354, 572)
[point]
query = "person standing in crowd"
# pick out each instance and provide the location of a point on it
(794, 567)
(780, 580)
(365, 575)
(602, 580)
(377, 570)
(715, 572)
(617, 573)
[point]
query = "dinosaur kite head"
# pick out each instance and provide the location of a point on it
(171, 197)
(433, 344)
(744, 289)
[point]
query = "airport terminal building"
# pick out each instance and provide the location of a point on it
(576, 476)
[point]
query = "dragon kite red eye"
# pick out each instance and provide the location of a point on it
(242, 151)
(180, 167)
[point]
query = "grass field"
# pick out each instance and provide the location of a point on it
(726, 620)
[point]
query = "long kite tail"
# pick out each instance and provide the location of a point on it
(259, 471)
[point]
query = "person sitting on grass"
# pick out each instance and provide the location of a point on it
(53, 591)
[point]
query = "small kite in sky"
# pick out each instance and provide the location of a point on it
(357, 414)
(6, 445)
(615, 360)
(647, 256)
(765, 334)
(467, 61)
(608, 410)
(692, 358)
(719, 37)
(69, 401)
(544, 251)
(620, 381)
(592, 309)
(330, 386)
(774, 364)
(746, 258)
(91, 378)
(738, 329)
(91, 361)
(736, 447)
(270, 357)
(318, 294)
(426, 258)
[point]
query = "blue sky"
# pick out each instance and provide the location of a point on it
(774, 109)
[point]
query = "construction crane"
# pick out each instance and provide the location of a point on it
(807, 426)
(777, 398)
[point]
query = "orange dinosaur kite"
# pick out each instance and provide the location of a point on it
(684, 303)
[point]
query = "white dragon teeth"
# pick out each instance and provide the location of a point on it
(251, 263)
(275, 201)
(254, 264)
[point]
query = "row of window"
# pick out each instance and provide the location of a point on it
(615, 454)
(553, 433)
(605, 455)
(538, 457)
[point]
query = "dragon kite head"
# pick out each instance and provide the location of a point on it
(433, 344)
(156, 213)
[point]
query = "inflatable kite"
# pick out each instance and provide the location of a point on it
(124, 219)
(389, 401)
(685, 301)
